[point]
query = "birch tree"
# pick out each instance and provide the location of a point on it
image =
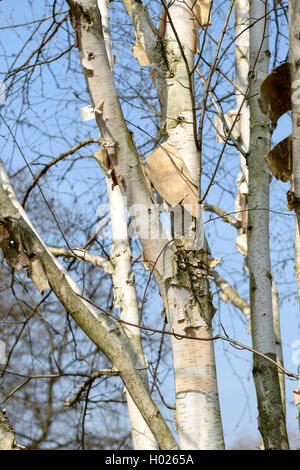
(190, 312)
(271, 416)
(123, 277)
(182, 64)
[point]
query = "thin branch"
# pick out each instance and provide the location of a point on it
(181, 336)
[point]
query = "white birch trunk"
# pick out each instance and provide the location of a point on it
(123, 155)
(294, 12)
(176, 287)
(271, 416)
(107, 335)
(294, 25)
(125, 296)
(294, 29)
(198, 418)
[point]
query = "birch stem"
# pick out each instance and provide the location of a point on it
(241, 9)
(125, 296)
(297, 253)
(7, 434)
(271, 416)
(294, 26)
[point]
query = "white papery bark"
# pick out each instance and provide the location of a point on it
(123, 155)
(242, 76)
(197, 403)
(241, 10)
(294, 29)
(294, 24)
(125, 296)
(271, 416)
(183, 307)
(297, 255)
(179, 112)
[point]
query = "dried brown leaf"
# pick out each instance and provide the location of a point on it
(275, 93)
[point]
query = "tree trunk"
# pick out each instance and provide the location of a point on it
(297, 254)
(107, 335)
(189, 312)
(271, 416)
(294, 25)
(125, 296)
(241, 10)
(126, 299)
(187, 301)
(7, 434)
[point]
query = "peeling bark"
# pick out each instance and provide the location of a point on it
(185, 294)
(241, 10)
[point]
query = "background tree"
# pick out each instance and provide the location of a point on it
(75, 176)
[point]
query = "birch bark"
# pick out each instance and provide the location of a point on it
(294, 27)
(297, 255)
(271, 416)
(106, 334)
(7, 434)
(241, 10)
(117, 141)
(197, 403)
(125, 298)
(242, 76)
(186, 296)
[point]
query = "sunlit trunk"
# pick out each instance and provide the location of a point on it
(125, 296)
(294, 25)
(197, 403)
